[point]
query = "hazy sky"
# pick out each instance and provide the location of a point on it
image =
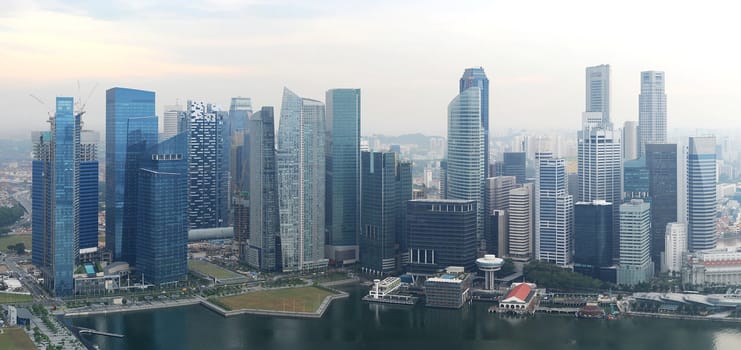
(406, 56)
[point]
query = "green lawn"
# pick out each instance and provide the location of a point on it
(210, 269)
(15, 339)
(8, 298)
(7, 240)
(304, 299)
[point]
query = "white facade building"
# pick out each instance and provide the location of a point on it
(652, 109)
(635, 265)
(675, 245)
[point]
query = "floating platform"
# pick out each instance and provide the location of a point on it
(393, 299)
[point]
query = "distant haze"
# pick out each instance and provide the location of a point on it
(406, 56)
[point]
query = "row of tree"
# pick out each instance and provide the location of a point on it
(11, 215)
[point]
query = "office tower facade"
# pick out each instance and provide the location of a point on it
(593, 238)
(675, 243)
(701, 193)
(635, 243)
(497, 199)
(131, 127)
(442, 233)
(497, 192)
(88, 182)
(343, 174)
(630, 140)
(301, 182)
(520, 227)
(476, 77)
(513, 164)
(170, 121)
(600, 169)
(241, 223)
(55, 196)
(465, 161)
(662, 164)
(386, 187)
(208, 177)
(598, 91)
(496, 232)
(652, 109)
(162, 235)
(239, 163)
(264, 251)
(554, 215)
(240, 110)
(636, 179)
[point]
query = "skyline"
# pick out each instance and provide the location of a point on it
(254, 50)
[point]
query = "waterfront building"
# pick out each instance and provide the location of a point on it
(343, 174)
(476, 77)
(717, 267)
(519, 299)
(652, 109)
(87, 192)
(170, 117)
(465, 158)
(630, 140)
(386, 187)
(675, 245)
(520, 224)
(598, 91)
(55, 198)
(513, 164)
(663, 171)
(162, 235)
(635, 243)
(441, 233)
(636, 179)
(131, 128)
(554, 216)
(701, 194)
(449, 290)
(489, 265)
(301, 183)
(496, 232)
(207, 166)
(264, 224)
(593, 239)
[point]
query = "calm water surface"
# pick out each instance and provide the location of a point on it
(354, 324)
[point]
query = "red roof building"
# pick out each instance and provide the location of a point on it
(519, 298)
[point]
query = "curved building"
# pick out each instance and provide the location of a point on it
(489, 264)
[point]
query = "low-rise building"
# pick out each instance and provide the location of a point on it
(712, 267)
(449, 290)
(519, 299)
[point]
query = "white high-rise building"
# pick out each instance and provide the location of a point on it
(652, 109)
(554, 213)
(520, 228)
(630, 140)
(170, 121)
(635, 243)
(675, 244)
(598, 91)
(301, 182)
(465, 156)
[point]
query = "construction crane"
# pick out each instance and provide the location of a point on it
(82, 103)
(48, 112)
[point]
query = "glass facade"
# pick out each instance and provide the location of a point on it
(635, 243)
(513, 164)
(701, 194)
(476, 77)
(598, 91)
(131, 124)
(661, 161)
(162, 217)
(554, 217)
(592, 237)
(636, 179)
(651, 109)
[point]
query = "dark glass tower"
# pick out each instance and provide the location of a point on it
(343, 173)
(513, 164)
(131, 126)
(661, 161)
(593, 238)
(636, 179)
(476, 77)
(162, 220)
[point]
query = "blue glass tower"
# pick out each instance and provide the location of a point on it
(162, 215)
(476, 77)
(343, 173)
(554, 216)
(701, 194)
(131, 125)
(88, 190)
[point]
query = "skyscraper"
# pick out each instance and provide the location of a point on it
(701, 193)
(652, 109)
(170, 121)
(520, 229)
(554, 215)
(598, 91)
(513, 164)
(635, 243)
(661, 161)
(497, 199)
(343, 173)
(208, 177)
(264, 244)
(162, 234)
(465, 161)
(636, 179)
(630, 140)
(55, 196)
(88, 190)
(475, 77)
(131, 127)
(240, 110)
(593, 238)
(675, 243)
(301, 179)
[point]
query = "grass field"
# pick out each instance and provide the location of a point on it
(304, 299)
(210, 269)
(15, 339)
(7, 298)
(7, 240)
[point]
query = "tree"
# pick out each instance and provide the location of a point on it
(20, 248)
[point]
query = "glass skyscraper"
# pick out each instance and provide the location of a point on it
(593, 238)
(554, 216)
(465, 159)
(701, 194)
(131, 126)
(661, 161)
(476, 77)
(301, 181)
(88, 190)
(598, 91)
(651, 109)
(513, 164)
(162, 220)
(636, 179)
(343, 173)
